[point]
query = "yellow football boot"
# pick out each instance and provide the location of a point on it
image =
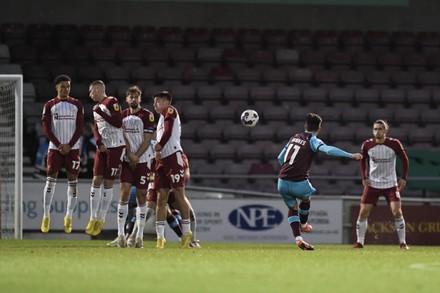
(91, 226)
(161, 243)
(45, 225)
(98, 227)
(186, 240)
(67, 225)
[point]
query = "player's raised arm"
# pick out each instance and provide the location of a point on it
(319, 145)
(115, 117)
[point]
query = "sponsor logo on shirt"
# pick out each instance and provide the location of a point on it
(57, 116)
(132, 129)
(378, 160)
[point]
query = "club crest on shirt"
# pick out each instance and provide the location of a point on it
(116, 107)
(151, 118)
(170, 111)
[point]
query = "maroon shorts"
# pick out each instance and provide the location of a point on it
(170, 172)
(137, 177)
(107, 163)
(55, 161)
(371, 195)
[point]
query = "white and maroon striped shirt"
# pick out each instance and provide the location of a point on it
(382, 162)
(108, 123)
(169, 139)
(63, 122)
(135, 126)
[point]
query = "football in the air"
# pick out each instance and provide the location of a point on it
(249, 118)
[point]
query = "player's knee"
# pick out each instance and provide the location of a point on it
(162, 200)
(364, 213)
(97, 180)
(397, 213)
(141, 200)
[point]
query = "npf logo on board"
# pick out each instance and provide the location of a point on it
(255, 217)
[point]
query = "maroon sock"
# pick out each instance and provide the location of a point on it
(293, 219)
(304, 208)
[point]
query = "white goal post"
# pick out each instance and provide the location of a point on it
(11, 156)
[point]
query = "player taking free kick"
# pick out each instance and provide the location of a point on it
(293, 183)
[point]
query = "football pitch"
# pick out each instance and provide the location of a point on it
(90, 266)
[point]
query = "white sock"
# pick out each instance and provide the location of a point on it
(361, 229)
(141, 212)
(186, 228)
(71, 197)
(95, 199)
(160, 229)
(400, 228)
(122, 217)
(106, 199)
(193, 225)
(49, 191)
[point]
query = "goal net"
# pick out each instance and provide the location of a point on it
(11, 170)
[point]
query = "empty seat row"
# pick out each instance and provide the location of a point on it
(121, 35)
(230, 57)
(255, 167)
(130, 55)
(246, 76)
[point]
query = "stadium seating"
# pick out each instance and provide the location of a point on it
(51, 56)
(350, 77)
(119, 36)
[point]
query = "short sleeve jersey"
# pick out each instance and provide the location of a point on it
(62, 117)
(135, 126)
(173, 144)
(111, 136)
(382, 161)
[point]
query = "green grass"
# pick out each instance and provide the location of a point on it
(89, 266)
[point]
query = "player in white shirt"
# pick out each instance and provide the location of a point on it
(111, 148)
(138, 125)
(379, 178)
(63, 123)
(170, 168)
